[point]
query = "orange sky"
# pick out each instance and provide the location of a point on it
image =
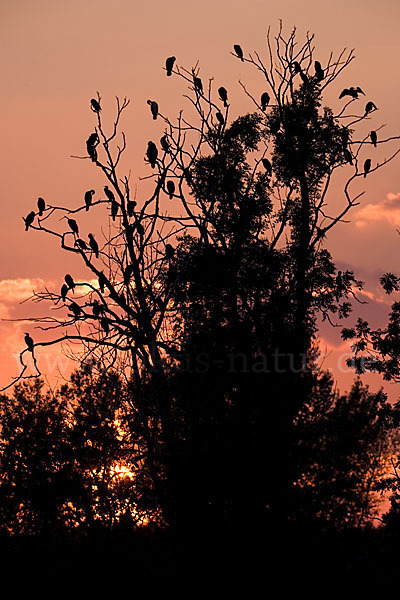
(56, 55)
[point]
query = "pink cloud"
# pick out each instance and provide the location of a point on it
(386, 210)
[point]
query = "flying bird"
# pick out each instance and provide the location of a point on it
(267, 165)
(198, 84)
(64, 291)
(93, 244)
(171, 189)
(95, 105)
(319, 72)
(164, 144)
(169, 65)
(29, 342)
(29, 219)
(223, 94)
(69, 281)
(264, 100)
(239, 52)
(130, 207)
(88, 198)
(109, 193)
(169, 251)
(374, 138)
(41, 204)
(367, 166)
(369, 107)
(152, 154)
(154, 108)
(74, 226)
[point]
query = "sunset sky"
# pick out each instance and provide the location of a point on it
(56, 55)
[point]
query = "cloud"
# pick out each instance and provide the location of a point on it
(386, 210)
(17, 290)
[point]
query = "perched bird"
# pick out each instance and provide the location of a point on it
(164, 144)
(64, 291)
(267, 165)
(303, 76)
(339, 279)
(81, 243)
(93, 139)
(198, 84)
(96, 309)
(29, 342)
(91, 150)
(128, 274)
(95, 105)
(69, 281)
(171, 189)
(104, 324)
(319, 72)
(169, 251)
(153, 107)
(223, 94)
(75, 308)
(239, 52)
(348, 157)
(29, 219)
(93, 244)
(169, 65)
(109, 193)
(74, 226)
(140, 229)
(114, 209)
(264, 100)
(130, 207)
(220, 118)
(41, 204)
(296, 67)
(367, 166)
(369, 107)
(102, 282)
(88, 198)
(152, 154)
(374, 138)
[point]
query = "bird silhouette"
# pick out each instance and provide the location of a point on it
(198, 84)
(239, 52)
(169, 65)
(102, 282)
(154, 108)
(264, 100)
(169, 251)
(75, 308)
(88, 198)
(128, 274)
(91, 150)
(369, 107)
(81, 243)
(348, 157)
(319, 72)
(164, 144)
(353, 92)
(367, 166)
(130, 207)
(93, 139)
(95, 105)
(220, 117)
(296, 67)
(64, 291)
(96, 309)
(74, 226)
(304, 77)
(93, 244)
(109, 193)
(267, 165)
(69, 281)
(114, 209)
(104, 323)
(374, 138)
(41, 204)
(29, 342)
(152, 154)
(223, 94)
(171, 189)
(29, 219)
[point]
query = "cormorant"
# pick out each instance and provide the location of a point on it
(319, 72)
(114, 209)
(347, 155)
(264, 100)
(198, 85)
(29, 219)
(296, 67)
(41, 204)
(223, 94)
(104, 324)
(64, 291)
(171, 189)
(88, 198)
(95, 105)
(352, 92)
(152, 154)
(96, 309)
(164, 143)
(169, 65)
(267, 165)
(304, 77)
(69, 281)
(153, 107)
(220, 118)
(109, 193)
(367, 166)
(93, 244)
(130, 207)
(93, 139)
(169, 251)
(74, 226)
(91, 150)
(239, 52)
(374, 138)
(128, 274)
(370, 106)
(81, 243)
(29, 342)
(76, 309)
(102, 282)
